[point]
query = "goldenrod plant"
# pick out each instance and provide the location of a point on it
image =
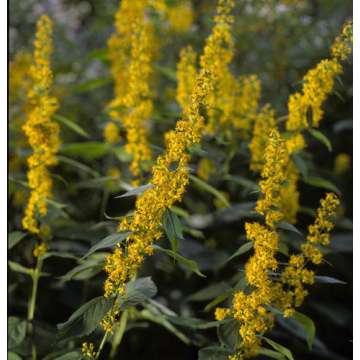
(180, 178)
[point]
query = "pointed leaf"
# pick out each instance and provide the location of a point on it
(136, 191)
(308, 326)
(71, 125)
(14, 238)
(108, 242)
(16, 331)
(322, 183)
(280, 348)
(321, 137)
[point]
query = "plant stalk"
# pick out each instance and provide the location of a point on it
(119, 334)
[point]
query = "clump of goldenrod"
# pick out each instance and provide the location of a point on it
(264, 122)
(131, 52)
(186, 76)
(180, 16)
(42, 132)
(169, 182)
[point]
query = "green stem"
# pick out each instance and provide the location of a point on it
(32, 301)
(103, 341)
(119, 334)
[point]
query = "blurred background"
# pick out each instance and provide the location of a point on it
(277, 40)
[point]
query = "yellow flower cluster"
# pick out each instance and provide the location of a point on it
(180, 16)
(342, 46)
(19, 80)
(205, 169)
(305, 108)
(131, 53)
(273, 177)
(41, 131)
(88, 350)
(295, 275)
(251, 309)
(264, 122)
(186, 76)
(342, 163)
(170, 174)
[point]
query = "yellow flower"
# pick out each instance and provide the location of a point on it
(88, 350)
(111, 133)
(273, 176)
(221, 313)
(131, 52)
(264, 123)
(42, 132)
(205, 169)
(181, 16)
(186, 76)
(40, 250)
(19, 79)
(342, 46)
(342, 163)
(170, 174)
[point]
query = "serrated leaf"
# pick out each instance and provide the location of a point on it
(321, 137)
(289, 227)
(214, 353)
(189, 264)
(322, 183)
(108, 242)
(14, 238)
(308, 325)
(241, 250)
(228, 334)
(280, 348)
(20, 268)
(71, 125)
(85, 319)
(16, 331)
(173, 229)
(137, 291)
(328, 280)
(89, 150)
(210, 189)
(136, 191)
(209, 292)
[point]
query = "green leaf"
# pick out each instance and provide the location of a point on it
(328, 280)
(108, 242)
(71, 125)
(228, 334)
(91, 267)
(14, 238)
(173, 229)
(246, 183)
(194, 323)
(189, 264)
(13, 356)
(322, 183)
(321, 137)
(308, 326)
(16, 331)
(85, 319)
(89, 150)
(213, 353)
(209, 292)
(59, 254)
(136, 191)
(137, 291)
(167, 72)
(288, 227)
(208, 188)
(271, 354)
(73, 355)
(93, 84)
(280, 348)
(218, 300)
(241, 250)
(301, 165)
(20, 268)
(78, 165)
